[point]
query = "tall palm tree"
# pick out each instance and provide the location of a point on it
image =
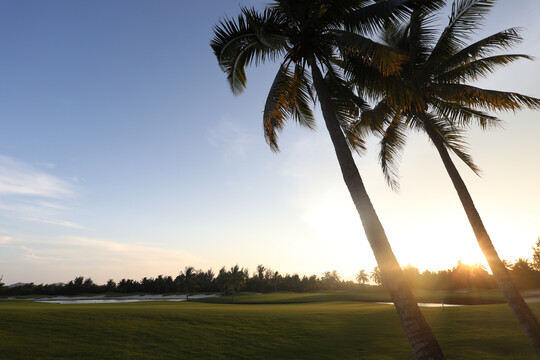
(432, 94)
(313, 35)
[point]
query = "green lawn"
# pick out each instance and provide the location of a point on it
(194, 330)
(368, 295)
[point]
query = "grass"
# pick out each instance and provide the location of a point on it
(368, 295)
(195, 330)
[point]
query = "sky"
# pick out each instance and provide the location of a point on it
(124, 154)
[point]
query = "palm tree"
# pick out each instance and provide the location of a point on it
(535, 256)
(237, 279)
(362, 277)
(507, 264)
(189, 280)
(312, 35)
(432, 94)
(376, 276)
(222, 281)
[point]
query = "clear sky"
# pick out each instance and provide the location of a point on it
(124, 154)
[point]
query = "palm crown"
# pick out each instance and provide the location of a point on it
(431, 93)
(302, 32)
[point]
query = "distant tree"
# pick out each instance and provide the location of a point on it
(222, 280)
(362, 277)
(111, 285)
(536, 256)
(128, 286)
(272, 279)
(331, 280)
(1, 283)
(188, 282)
(376, 276)
(507, 264)
(523, 273)
(237, 279)
(205, 280)
(522, 265)
(260, 271)
(258, 282)
(89, 286)
(411, 274)
(309, 283)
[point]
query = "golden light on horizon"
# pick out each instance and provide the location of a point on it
(424, 241)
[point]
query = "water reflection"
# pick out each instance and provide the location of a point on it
(127, 299)
(102, 301)
(425, 304)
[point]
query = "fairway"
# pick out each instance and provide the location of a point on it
(172, 330)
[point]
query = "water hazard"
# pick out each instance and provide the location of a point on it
(425, 304)
(126, 299)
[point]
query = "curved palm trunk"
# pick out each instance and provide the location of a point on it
(421, 338)
(521, 310)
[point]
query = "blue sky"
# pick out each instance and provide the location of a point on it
(123, 153)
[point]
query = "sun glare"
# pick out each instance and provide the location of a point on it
(427, 243)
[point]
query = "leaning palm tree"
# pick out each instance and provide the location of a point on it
(431, 94)
(310, 36)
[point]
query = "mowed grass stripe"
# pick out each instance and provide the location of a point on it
(172, 330)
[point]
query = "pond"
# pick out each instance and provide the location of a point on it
(123, 299)
(425, 304)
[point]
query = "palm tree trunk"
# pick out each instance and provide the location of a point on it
(420, 336)
(521, 310)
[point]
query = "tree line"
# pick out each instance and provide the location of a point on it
(524, 272)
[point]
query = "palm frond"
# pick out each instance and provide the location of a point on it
(478, 98)
(502, 40)
(252, 37)
(375, 120)
(347, 106)
(421, 36)
(383, 58)
(477, 69)
(463, 116)
(340, 89)
(466, 17)
(395, 34)
(391, 146)
(289, 97)
(369, 19)
(268, 26)
(452, 138)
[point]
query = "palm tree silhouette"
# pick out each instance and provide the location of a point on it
(189, 281)
(432, 94)
(314, 35)
(362, 277)
(376, 276)
(237, 278)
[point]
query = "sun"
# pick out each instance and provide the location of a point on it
(425, 241)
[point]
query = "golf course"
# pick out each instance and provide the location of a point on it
(256, 326)
(373, 194)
